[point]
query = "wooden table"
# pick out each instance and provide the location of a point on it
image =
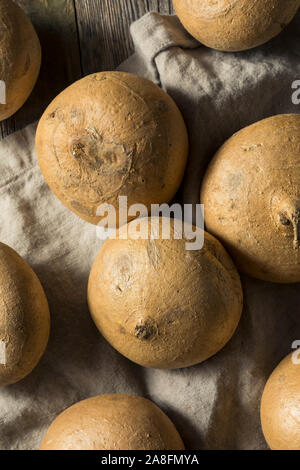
(78, 37)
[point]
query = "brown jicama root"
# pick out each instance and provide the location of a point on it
(20, 54)
(24, 317)
(280, 410)
(251, 195)
(113, 422)
(112, 134)
(163, 306)
(235, 25)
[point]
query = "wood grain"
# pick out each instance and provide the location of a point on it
(55, 23)
(104, 29)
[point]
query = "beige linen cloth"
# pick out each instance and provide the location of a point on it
(214, 405)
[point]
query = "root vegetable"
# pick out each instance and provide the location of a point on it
(112, 422)
(112, 134)
(235, 25)
(252, 198)
(160, 305)
(20, 53)
(280, 406)
(24, 317)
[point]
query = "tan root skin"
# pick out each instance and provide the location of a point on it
(20, 54)
(24, 317)
(251, 194)
(280, 407)
(235, 25)
(113, 422)
(162, 306)
(112, 134)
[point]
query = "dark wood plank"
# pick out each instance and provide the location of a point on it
(104, 29)
(165, 7)
(55, 22)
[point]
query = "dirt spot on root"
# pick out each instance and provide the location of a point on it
(145, 331)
